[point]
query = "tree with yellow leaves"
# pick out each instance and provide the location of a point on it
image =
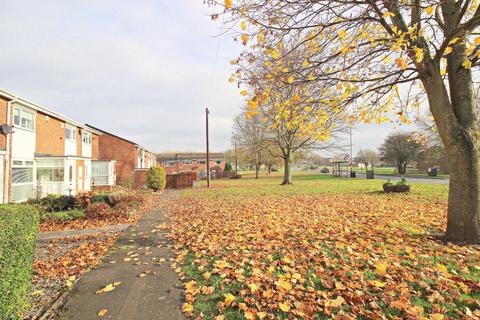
(296, 115)
(386, 57)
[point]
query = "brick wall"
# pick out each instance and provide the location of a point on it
(78, 139)
(140, 178)
(3, 120)
(113, 148)
(50, 135)
(95, 146)
(179, 166)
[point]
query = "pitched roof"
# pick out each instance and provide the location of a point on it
(114, 135)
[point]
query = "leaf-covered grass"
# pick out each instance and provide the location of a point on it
(324, 247)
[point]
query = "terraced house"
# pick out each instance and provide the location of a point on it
(43, 152)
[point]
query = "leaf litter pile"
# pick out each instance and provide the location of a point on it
(340, 256)
(60, 262)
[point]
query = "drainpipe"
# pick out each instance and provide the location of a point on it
(8, 147)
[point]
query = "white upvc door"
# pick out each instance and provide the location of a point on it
(70, 180)
(87, 175)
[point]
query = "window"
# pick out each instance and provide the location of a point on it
(187, 161)
(169, 163)
(23, 118)
(70, 173)
(50, 170)
(69, 133)
(218, 162)
(202, 161)
(87, 138)
(22, 180)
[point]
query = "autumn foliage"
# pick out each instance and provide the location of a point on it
(320, 256)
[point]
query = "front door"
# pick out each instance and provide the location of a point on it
(71, 177)
(80, 176)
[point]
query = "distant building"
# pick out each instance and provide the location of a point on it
(191, 162)
(129, 156)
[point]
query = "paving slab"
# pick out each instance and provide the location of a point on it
(149, 288)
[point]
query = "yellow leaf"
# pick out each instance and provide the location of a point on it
(244, 38)
(285, 285)
(467, 64)
(249, 315)
(290, 79)
(102, 312)
(388, 14)
(284, 306)
(228, 4)
(243, 25)
(437, 316)
(243, 93)
(253, 287)
(443, 269)
(337, 302)
(429, 10)
(109, 287)
(477, 40)
(341, 33)
(381, 267)
(229, 298)
(187, 307)
(447, 51)
(305, 63)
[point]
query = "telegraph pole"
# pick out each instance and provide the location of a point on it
(208, 155)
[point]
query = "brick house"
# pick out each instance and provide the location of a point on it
(191, 162)
(43, 152)
(129, 156)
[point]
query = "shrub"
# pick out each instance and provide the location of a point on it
(18, 229)
(102, 197)
(228, 166)
(62, 215)
(98, 210)
(156, 178)
(55, 202)
(236, 176)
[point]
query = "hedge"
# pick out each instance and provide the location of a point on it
(18, 230)
(156, 178)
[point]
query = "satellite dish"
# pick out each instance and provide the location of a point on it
(5, 128)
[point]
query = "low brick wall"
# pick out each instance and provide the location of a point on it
(140, 178)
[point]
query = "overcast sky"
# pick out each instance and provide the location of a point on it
(141, 69)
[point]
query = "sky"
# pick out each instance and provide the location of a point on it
(142, 69)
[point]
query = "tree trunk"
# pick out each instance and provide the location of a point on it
(257, 169)
(269, 168)
(401, 168)
(463, 223)
(287, 177)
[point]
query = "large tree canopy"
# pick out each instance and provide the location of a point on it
(376, 59)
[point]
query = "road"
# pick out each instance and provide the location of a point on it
(412, 179)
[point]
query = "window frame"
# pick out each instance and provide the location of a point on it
(73, 131)
(88, 135)
(21, 111)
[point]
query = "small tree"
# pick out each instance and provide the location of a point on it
(400, 149)
(228, 166)
(367, 157)
(156, 178)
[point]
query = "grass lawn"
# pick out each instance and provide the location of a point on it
(322, 248)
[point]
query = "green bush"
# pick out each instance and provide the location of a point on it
(156, 178)
(68, 215)
(228, 166)
(18, 229)
(55, 202)
(101, 197)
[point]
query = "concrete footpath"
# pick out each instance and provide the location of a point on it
(145, 287)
